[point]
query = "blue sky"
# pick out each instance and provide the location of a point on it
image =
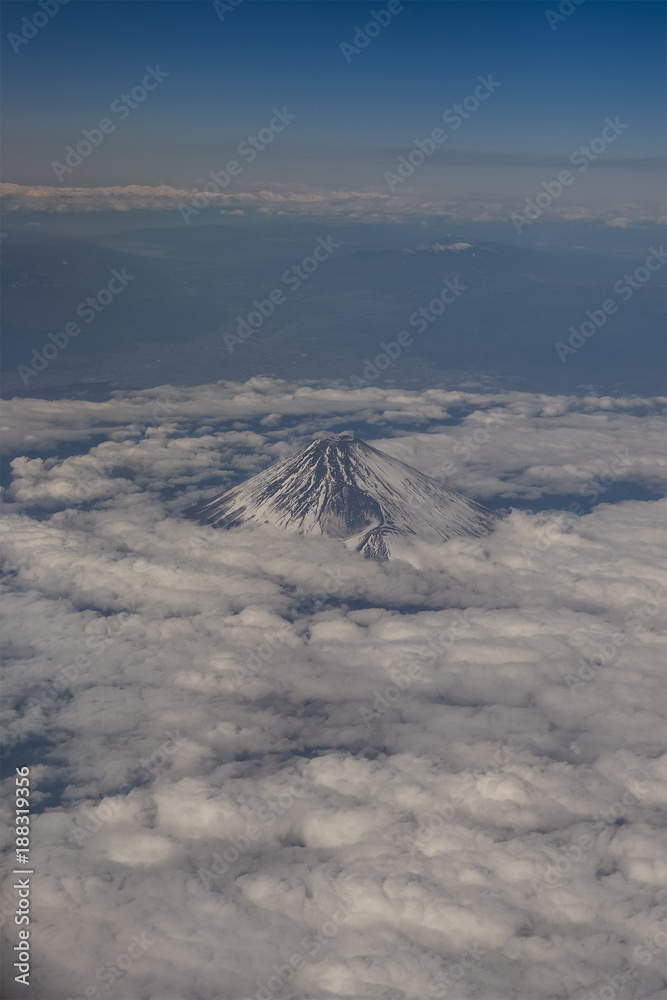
(353, 118)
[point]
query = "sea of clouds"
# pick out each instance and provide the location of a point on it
(266, 767)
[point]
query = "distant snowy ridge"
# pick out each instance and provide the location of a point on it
(455, 246)
(443, 247)
(344, 488)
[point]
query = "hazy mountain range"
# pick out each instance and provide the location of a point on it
(192, 285)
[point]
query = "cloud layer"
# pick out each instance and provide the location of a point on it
(365, 206)
(279, 770)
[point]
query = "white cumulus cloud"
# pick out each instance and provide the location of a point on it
(266, 767)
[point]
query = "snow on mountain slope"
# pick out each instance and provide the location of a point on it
(444, 247)
(344, 488)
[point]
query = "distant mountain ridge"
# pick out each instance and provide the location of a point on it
(444, 247)
(344, 488)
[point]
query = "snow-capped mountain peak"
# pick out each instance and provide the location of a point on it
(444, 247)
(343, 488)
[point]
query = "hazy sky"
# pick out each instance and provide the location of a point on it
(559, 81)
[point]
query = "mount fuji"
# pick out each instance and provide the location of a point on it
(343, 488)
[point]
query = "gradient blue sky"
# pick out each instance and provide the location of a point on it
(354, 119)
